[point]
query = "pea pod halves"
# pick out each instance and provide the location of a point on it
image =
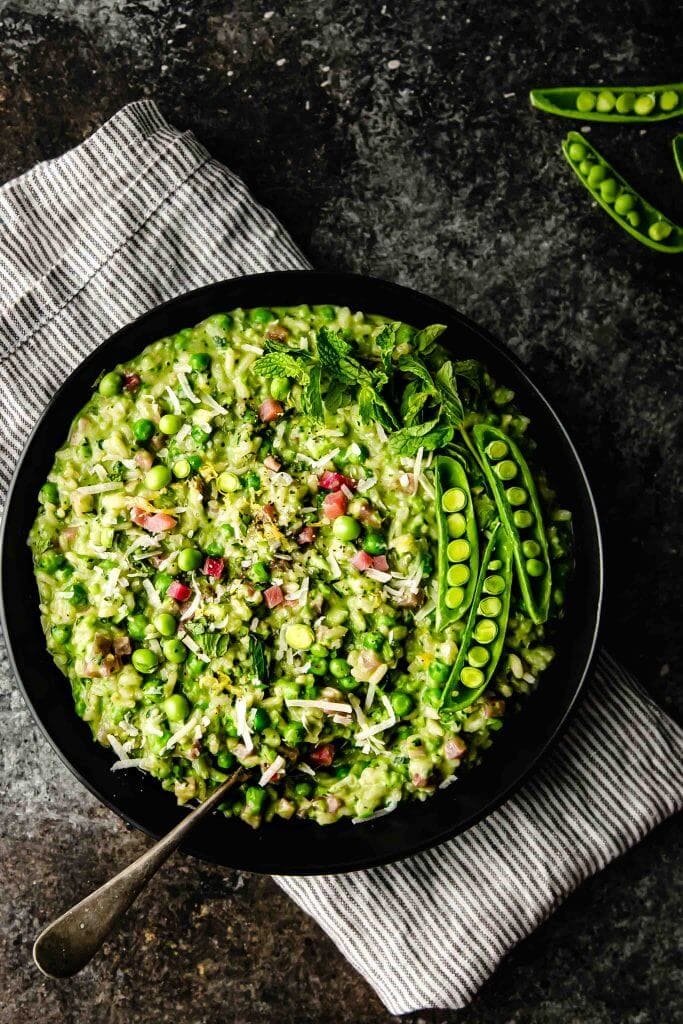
(640, 103)
(521, 515)
(458, 557)
(678, 153)
(621, 202)
(482, 642)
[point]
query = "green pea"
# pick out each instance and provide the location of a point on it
(348, 683)
(485, 631)
(218, 324)
(144, 660)
(506, 470)
(318, 666)
(170, 424)
(110, 384)
(522, 519)
(497, 450)
(596, 174)
(143, 430)
(255, 797)
(162, 581)
(225, 760)
(439, 671)
(346, 528)
(175, 651)
(189, 559)
(195, 461)
(668, 100)
(227, 483)
(319, 651)
(606, 101)
(157, 478)
(402, 703)
(585, 167)
(51, 561)
(136, 625)
(200, 361)
(165, 624)
(458, 550)
(454, 597)
(176, 708)
(49, 494)
(456, 524)
(64, 573)
(454, 500)
(279, 388)
(585, 101)
(471, 677)
(577, 152)
(609, 189)
(260, 720)
(373, 640)
(625, 102)
(531, 548)
(261, 316)
(199, 436)
(644, 105)
(374, 543)
(534, 567)
(490, 606)
(624, 203)
(327, 313)
(259, 572)
(633, 217)
(293, 734)
(181, 469)
(659, 231)
(477, 657)
(252, 480)
(79, 596)
(516, 495)
(61, 634)
(339, 667)
(457, 575)
(303, 790)
(494, 565)
(299, 636)
(494, 585)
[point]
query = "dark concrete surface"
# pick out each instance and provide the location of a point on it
(393, 139)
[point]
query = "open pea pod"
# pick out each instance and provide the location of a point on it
(484, 636)
(515, 495)
(633, 213)
(639, 103)
(458, 557)
(678, 153)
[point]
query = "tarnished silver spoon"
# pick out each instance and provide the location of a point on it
(66, 945)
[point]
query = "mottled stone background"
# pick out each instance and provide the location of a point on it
(393, 139)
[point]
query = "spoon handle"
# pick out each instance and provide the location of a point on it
(67, 944)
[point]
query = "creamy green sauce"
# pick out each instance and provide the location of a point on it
(237, 565)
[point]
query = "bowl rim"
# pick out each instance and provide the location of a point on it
(336, 281)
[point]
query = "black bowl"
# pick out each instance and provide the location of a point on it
(299, 847)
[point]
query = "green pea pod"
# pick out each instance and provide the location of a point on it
(521, 515)
(484, 636)
(678, 153)
(639, 103)
(633, 213)
(458, 559)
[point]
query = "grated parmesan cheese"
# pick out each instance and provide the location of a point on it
(173, 400)
(185, 387)
(241, 723)
(99, 488)
(154, 598)
(274, 769)
(328, 706)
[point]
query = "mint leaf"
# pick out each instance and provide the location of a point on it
(386, 342)
(413, 401)
(430, 436)
(470, 371)
(425, 339)
(258, 657)
(451, 406)
(371, 406)
(414, 366)
(281, 364)
(311, 397)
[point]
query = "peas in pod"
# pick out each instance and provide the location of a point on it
(484, 636)
(519, 508)
(640, 103)
(458, 549)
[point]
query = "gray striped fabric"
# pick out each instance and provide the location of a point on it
(91, 240)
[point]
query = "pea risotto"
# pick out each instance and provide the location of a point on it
(304, 541)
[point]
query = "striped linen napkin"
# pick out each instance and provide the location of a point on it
(93, 239)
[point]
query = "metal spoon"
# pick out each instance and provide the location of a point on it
(66, 945)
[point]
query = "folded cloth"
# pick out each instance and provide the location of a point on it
(140, 212)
